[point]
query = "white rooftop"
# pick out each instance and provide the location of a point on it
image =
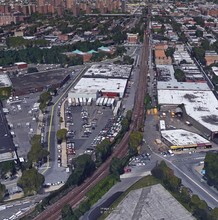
(180, 137)
(109, 70)
(92, 85)
(202, 106)
(167, 73)
(5, 81)
(215, 70)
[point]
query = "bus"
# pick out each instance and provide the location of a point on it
(162, 125)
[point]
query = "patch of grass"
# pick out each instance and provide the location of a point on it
(143, 182)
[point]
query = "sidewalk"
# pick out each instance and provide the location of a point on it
(63, 145)
(39, 125)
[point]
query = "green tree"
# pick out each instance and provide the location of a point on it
(199, 33)
(67, 212)
(205, 44)
(37, 153)
(166, 175)
(7, 167)
(185, 196)
(32, 70)
(84, 166)
(199, 21)
(125, 124)
(135, 140)
(116, 167)
(103, 151)
(179, 75)
(170, 51)
(120, 50)
(31, 181)
(199, 53)
(129, 116)
(61, 134)
(128, 60)
(44, 99)
(214, 214)
(211, 166)
(2, 191)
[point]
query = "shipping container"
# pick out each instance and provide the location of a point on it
(81, 101)
(97, 101)
(84, 101)
(89, 102)
(105, 101)
(69, 101)
(101, 101)
(73, 102)
(109, 102)
(77, 101)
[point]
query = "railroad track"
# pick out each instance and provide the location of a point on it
(53, 212)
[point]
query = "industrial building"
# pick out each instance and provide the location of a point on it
(179, 139)
(5, 86)
(96, 87)
(153, 202)
(109, 71)
(197, 101)
(7, 148)
(102, 80)
(199, 107)
(37, 82)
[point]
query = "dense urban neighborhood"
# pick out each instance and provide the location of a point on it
(109, 110)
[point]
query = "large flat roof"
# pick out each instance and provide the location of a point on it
(5, 81)
(6, 141)
(202, 106)
(92, 85)
(180, 137)
(148, 203)
(109, 70)
(37, 80)
(168, 81)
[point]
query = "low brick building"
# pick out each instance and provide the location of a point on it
(161, 58)
(132, 38)
(211, 57)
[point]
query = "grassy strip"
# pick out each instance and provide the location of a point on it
(101, 188)
(143, 182)
(93, 196)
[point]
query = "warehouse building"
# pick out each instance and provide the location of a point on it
(7, 148)
(97, 87)
(199, 107)
(5, 86)
(109, 71)
(37, 82)
(197, 101)
(179, 139)
(102, 80)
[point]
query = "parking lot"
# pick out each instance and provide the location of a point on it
(88, 126)
(22, 121)
(84, 123)
(153, 132)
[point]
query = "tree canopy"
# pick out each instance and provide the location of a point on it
(134, 141)
(31, 181)
(103, 151)
(37, 153)
(7, 167)
(61, 134)
(84, 166)
(211, 167)
(2, 191)
(44, 99)
(179, 75)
